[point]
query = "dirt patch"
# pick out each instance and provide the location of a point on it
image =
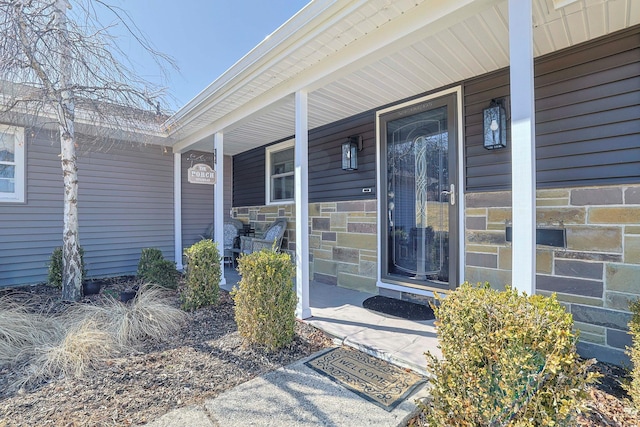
(205, 359)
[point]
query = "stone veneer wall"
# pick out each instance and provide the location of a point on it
(597, 273)
(260, 217)
(342, 240)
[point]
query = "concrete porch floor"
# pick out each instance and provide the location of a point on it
(339, 312)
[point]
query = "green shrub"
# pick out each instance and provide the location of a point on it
(203, 275)
(265, 299)
(508, 359)
(54, 277)
(634, 353)
(148, 257)
(153, 268)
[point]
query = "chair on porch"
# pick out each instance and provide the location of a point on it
(272, 238)
(231, 231)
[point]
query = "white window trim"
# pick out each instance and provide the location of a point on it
(268, 152)
(19, 157)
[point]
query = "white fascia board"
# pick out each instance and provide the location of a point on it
(428, 17)
(245, 69)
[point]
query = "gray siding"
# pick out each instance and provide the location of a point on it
(125, 204)
(587, 117)
(197, 201)
(248, 178)
(327, 180)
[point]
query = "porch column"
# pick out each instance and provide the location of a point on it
(218, 199)
(177, 209)
(523, 148)
(301, 197)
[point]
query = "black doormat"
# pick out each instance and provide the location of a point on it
(373, 379)
(398, 308)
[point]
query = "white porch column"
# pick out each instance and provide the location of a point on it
(523, 149)
(177, 209)
(218, 199)
(302, 205)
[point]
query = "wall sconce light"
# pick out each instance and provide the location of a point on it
(495, 125)
(350, 150)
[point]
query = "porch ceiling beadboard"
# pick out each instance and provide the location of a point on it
(355, 56)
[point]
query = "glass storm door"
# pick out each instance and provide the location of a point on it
(419, 204)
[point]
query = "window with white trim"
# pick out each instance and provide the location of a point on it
(12, 164)
(280, 180)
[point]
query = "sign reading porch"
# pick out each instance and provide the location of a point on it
(201, 173)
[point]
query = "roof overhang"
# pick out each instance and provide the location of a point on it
(355, 56)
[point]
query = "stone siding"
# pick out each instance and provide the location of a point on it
(595, 275)
(342, 239)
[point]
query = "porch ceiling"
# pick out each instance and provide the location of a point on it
(355, 56)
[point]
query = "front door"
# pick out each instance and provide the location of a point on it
(418, 191)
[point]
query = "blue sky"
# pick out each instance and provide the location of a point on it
(205, 37)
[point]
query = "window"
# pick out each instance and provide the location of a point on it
(280, 173)
(12, 175)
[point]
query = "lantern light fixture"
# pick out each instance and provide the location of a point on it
(350, 149)
(495, 125)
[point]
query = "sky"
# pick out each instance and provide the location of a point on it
(204, 37)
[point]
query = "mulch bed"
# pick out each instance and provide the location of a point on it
(207, 358)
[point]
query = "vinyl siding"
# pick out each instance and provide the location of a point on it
(125, 203)
(197, 201)
(327, 180)
(587, 118)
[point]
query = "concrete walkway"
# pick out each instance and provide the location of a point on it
(296, 395)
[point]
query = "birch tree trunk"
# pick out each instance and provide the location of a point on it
(71, 260)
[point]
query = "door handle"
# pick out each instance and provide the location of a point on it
(451, 193)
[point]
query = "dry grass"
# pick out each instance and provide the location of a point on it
(82, 347)
(45, 347)
(21, 332)
(149, 316)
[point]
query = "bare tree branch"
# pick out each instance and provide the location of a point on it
(59, 64)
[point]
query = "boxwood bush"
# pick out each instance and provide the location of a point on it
(508, 359)
(265, 299)
(54, 276)
(154, 269)
(202, 275)
(634, 353)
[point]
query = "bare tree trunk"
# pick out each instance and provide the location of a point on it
(71, 260)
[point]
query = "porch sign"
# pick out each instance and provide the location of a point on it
(201, 174)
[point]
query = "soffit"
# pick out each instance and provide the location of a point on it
(418, 62)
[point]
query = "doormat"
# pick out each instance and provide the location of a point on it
(398, 308)
(373, 379)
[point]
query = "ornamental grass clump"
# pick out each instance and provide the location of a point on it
(265, 299)
(508, 359)
(154, 269)
(202, 278)
(634, 353)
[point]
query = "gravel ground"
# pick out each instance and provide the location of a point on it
(205, 359)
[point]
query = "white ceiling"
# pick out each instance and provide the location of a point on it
(354, 56)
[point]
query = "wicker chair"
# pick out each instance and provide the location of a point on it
(272, 238)
(231, 231)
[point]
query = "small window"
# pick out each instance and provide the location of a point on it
(280, 173)
(12, 174)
